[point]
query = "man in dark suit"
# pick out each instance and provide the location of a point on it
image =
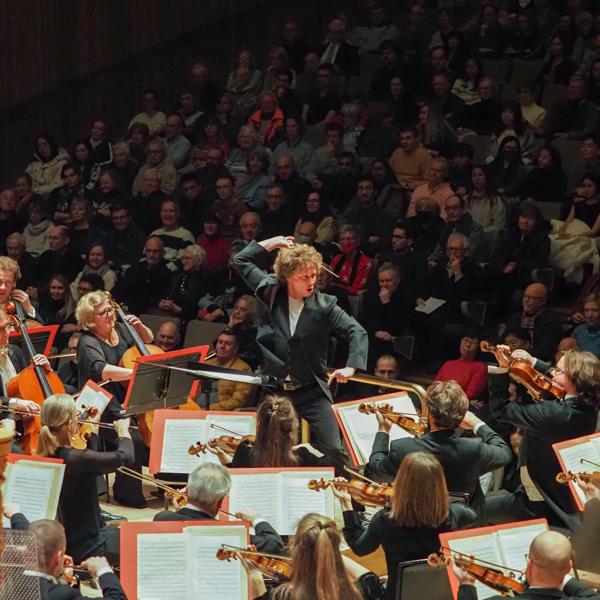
(543, 424)
(338, 52)
(51, 546)
(208, 486)
(463, 459)
(548, 564)
(295, 343)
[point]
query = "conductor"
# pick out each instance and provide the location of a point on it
(294, 344)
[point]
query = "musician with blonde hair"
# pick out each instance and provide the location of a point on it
(294, 345)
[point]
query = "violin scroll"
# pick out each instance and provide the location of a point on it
(437, 560)
(197, 449)
(318, 484)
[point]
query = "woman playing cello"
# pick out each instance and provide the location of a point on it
(101, 346)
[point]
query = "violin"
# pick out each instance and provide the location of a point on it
(404, 420)
(489, 574)
(365, 492)
(273, 566)
(539, 386)
(32, 383)
(84, 429)
(227, 443)
(593, 477)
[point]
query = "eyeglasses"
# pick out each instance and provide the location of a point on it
(107, 312)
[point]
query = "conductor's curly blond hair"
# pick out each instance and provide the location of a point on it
(296, 257)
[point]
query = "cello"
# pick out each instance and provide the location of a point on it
(32, 383)
(139, 348)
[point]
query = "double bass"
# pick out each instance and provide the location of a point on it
(32, 383)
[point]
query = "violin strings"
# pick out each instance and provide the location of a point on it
(481, 561)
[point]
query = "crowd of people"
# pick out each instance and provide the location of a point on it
(426, 177)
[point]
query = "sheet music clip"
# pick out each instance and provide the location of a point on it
(161, 381)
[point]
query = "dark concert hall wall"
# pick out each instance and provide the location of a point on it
(65, 61)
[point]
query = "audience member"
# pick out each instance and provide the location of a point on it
(411, 161)
(153, 118)
(168, 336)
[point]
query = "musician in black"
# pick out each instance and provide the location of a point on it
(101, 346)
(543, 424)
(51, 548)
(208, 486)
(294, 344)
(463, 459)
(79, 508)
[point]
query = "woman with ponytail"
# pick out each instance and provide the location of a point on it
(320, 572)
(79, 509)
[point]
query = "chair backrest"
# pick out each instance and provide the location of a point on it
(480, 145)
(476, 310)
(416, 580)
(545, 276)
(200, 333)
(525, 71)
(404, 345)
(356, 302)
(552, 94)
(394, 200)
(550, 210)
(497, 68)
(572, 163)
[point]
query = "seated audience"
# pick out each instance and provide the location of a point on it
(174, 237)
(96, 263)
(38, 228)
(317, 212)
(46, 168)
(168, 336)
(153, 118)
(436, 187)
(587, 334)
(352, 266)
(410, 162)
(547, 181)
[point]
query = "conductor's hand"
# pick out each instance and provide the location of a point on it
(341, 375)
(122, 427)
(94, 564)
(279, 241)
(42, 361)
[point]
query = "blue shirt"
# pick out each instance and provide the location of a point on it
(588, 339)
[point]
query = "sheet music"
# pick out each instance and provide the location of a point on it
(35, 487)
(214, 579)
(89, 397)
(179, 435)
(514, 544)
(484, 547)
(362, 428)
(571, 457)
(298, 500)
(161, 563)
(595, 441)
(241, 424)
(258, 494)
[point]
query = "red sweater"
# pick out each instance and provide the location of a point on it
(471, 375)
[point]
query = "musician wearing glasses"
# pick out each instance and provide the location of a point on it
(543, 424)
(79, 508)
(101, 346)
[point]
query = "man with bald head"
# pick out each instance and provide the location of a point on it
(543, 325)
(547, 572)
(168, 336)
(250, 226)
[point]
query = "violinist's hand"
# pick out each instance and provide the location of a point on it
(279, 241)
(470, 421)
(122, 428)
(23, 298)
(524, 355)
(341, 375)
(384, 424)
(10, 509)
(247, 517)
(95, 564)
(342, 494)
(589, 488)
(224, 458)
(463, 577)
(24, 406)
(42, 361)
(502, 353)
(257, 587)
(67, 569)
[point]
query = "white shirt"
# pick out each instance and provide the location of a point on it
(7, 371)
(294, 309)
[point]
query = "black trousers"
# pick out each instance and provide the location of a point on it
(504, 507)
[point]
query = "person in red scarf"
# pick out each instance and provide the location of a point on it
(268, 120)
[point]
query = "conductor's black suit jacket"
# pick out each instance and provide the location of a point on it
(303, 355)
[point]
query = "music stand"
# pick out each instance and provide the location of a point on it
(154, 384)
(42, 338)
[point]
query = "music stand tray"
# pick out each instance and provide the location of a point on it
(42, 338)
(152, 387)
